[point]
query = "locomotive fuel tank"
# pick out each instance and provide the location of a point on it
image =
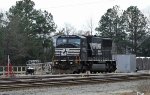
(99, 67)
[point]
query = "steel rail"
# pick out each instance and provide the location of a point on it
(70, 80)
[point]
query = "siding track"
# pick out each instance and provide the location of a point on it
(67, 79)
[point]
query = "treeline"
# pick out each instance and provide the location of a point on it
(25, 32)
(129, 29)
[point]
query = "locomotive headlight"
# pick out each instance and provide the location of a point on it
(70, 62)
(56, 62)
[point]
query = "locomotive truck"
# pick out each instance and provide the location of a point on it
(78, 54)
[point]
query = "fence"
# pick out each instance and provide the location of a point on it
(143, 63)
(40, 68)
(16, 70)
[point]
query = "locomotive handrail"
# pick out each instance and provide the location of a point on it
(100, 55)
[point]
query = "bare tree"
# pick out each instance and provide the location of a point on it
(60, 31)
(69, 29)
(90, 26)
(80, 32)
(148, 24)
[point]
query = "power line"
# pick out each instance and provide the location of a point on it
(76, 4)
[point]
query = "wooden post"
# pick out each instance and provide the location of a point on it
(21, 70)
(3, 70)
(17, 71)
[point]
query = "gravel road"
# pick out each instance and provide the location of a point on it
(89, 89)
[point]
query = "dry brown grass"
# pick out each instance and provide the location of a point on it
(144, 87)
(129, 93)
(133, 93)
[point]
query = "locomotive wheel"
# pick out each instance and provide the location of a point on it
(74, 72)
(77, 72)
(83, 71)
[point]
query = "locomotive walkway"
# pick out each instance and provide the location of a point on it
(67, 79)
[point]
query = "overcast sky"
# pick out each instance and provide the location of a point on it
(79, 12)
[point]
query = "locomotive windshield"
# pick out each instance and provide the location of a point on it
(61, 41)
(74, 41)
(69, 40)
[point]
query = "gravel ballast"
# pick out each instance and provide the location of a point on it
(90, 89)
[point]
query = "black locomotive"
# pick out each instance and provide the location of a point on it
(75, 54)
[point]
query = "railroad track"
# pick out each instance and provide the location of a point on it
(56, 80)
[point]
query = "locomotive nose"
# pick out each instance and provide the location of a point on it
(67, 52)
